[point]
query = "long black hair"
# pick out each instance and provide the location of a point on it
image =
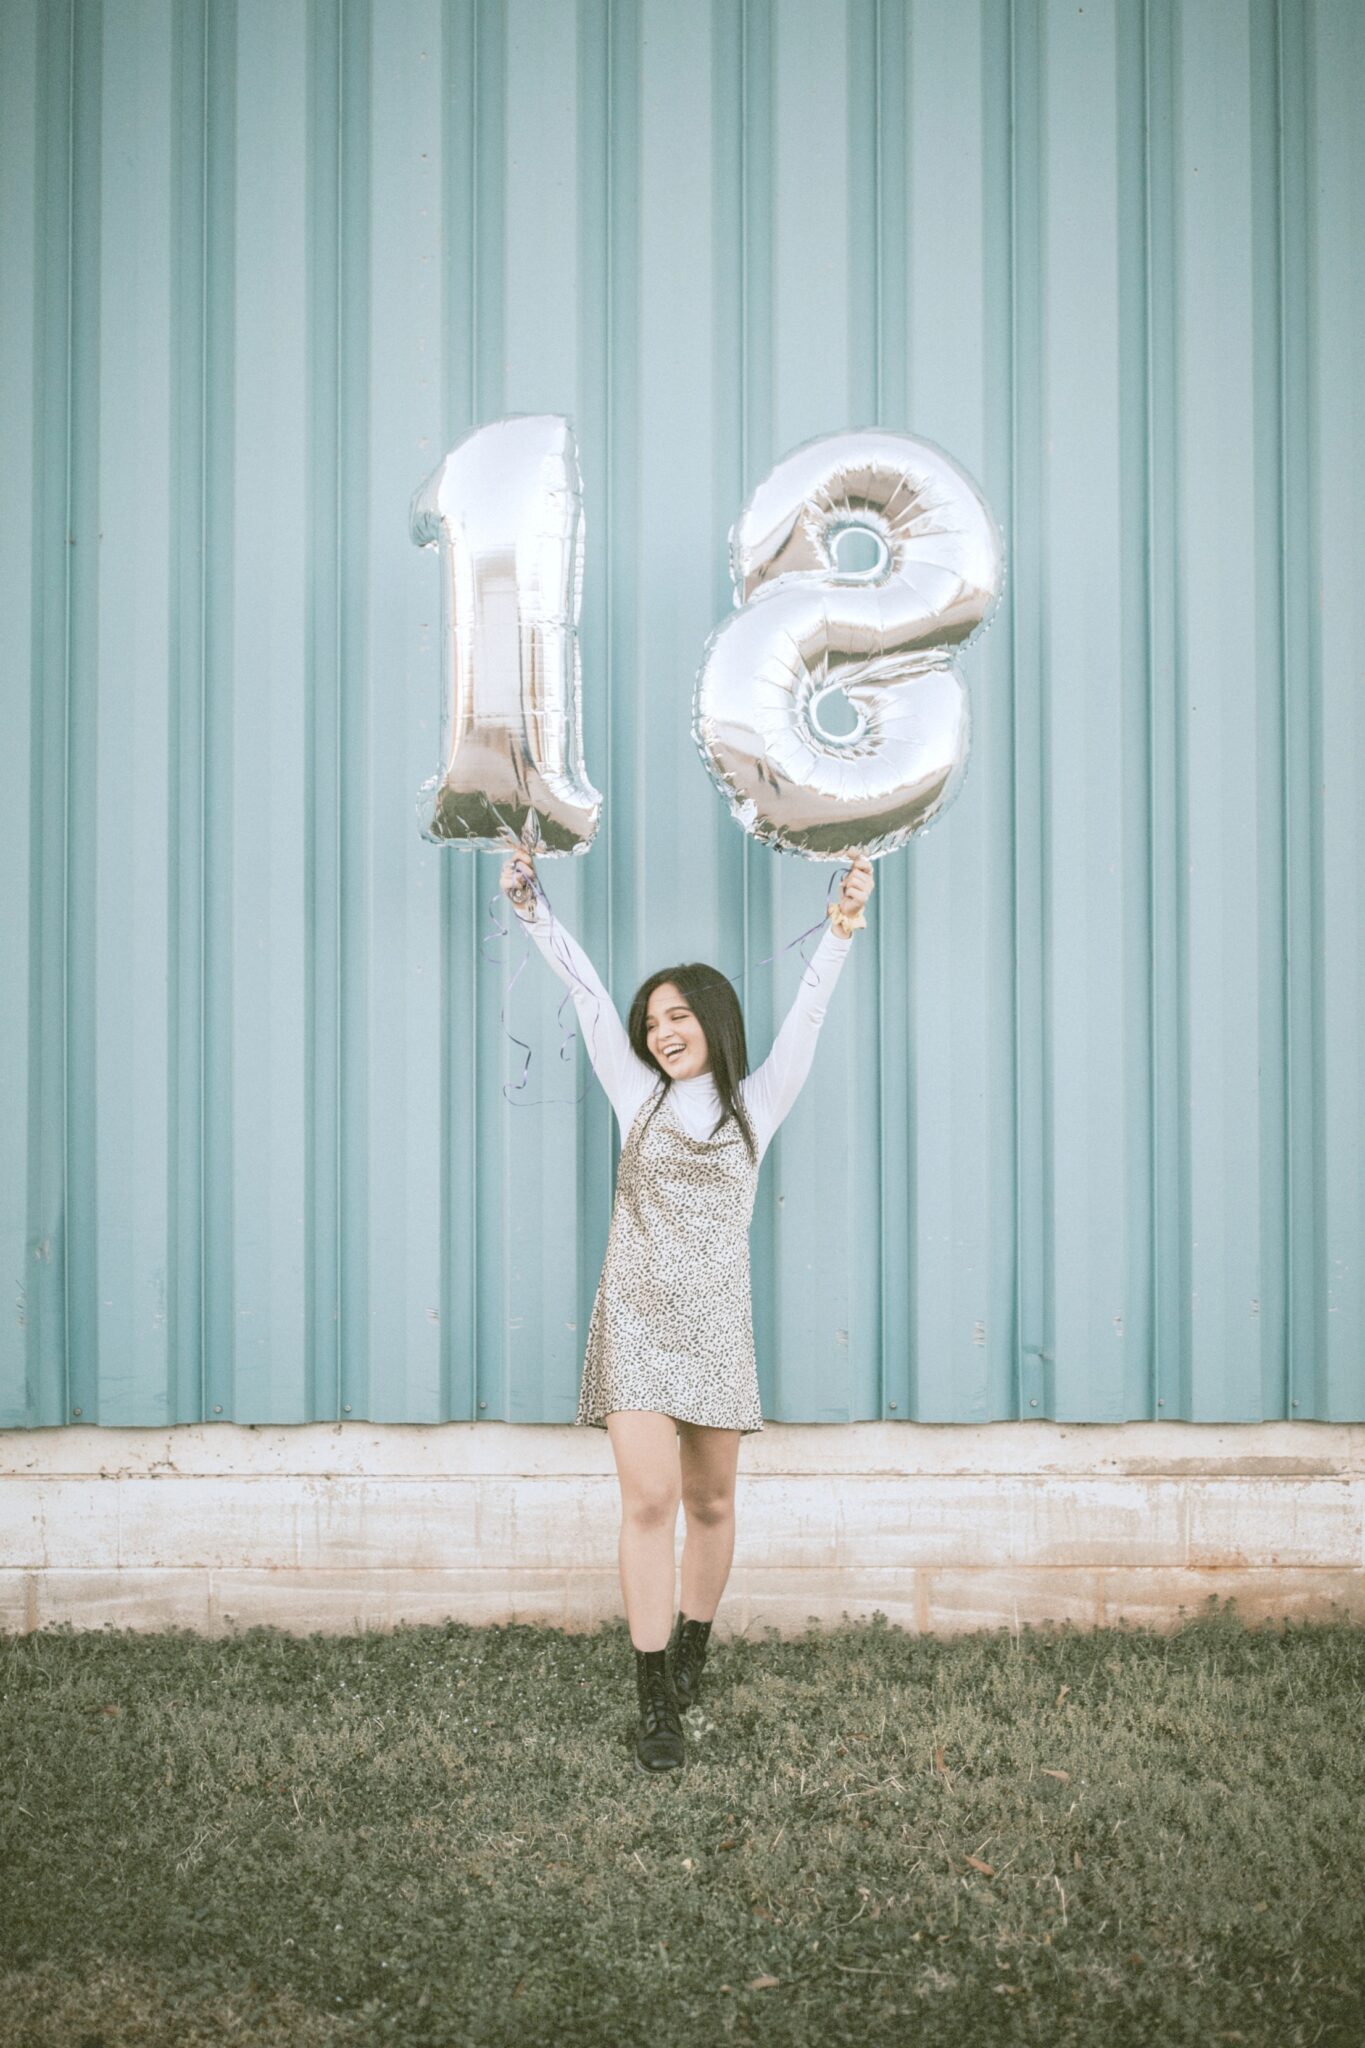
(715, 1006)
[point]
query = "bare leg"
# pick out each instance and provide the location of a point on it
(709, 1459)
(645, 1446)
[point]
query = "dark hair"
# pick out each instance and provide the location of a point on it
(716, 1007)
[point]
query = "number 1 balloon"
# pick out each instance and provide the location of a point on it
(505, 508)
(810, 623)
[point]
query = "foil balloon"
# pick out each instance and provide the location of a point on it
(505, 510)
(862, 564)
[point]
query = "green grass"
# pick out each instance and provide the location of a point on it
(437, 1835)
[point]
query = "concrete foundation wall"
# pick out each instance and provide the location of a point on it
(942, 1528)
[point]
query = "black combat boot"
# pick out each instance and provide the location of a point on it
(688, 1653)
(659, 1738)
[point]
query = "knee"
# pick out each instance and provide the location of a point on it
(708, 1509)
(652, 1507)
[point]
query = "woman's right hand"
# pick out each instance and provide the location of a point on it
(518, 880)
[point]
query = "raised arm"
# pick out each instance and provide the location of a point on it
(771, 1089)
(625, 1079)
(770, 1092)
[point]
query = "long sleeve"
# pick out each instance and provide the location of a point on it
(771, 1089)
(626, 1080)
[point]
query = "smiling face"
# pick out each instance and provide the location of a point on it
(674, 1036)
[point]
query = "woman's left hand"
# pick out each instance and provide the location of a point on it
(857, 887)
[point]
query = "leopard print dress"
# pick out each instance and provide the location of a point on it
(672, 1322)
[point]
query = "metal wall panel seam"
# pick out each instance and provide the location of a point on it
(270, 736)
(1269, 1309)
(760, 302)
(74, 1384)
(728, 229)
(1138, 1393)
(542, 251)
(1028, 716)
(624, 805)
(1217, 455)
(82, 654)
(330, 904)
(394, 329)
(594, 428)
(1083, 757)
(896, 1060)
(1336, 186)
(48, 1369)
(1165, 764)
(128, 833)
(542, 1139)
(22, 516)
(323, 634)
(823, 1359)
(857, 1024)
(362, 1110)
(459, 884)
(188, 395)
(624, 800)
(960, 937)
(219, 539)
(1299, 739)
(488, 286)
(995, 1331)
(756, 452)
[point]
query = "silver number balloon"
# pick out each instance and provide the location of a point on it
(505, 509)
(814, 620)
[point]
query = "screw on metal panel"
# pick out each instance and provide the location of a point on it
(893, 1404)
(217, 1407)
(76, 1411)
(1033, 1404)
(483, 1404)
(347, 1409)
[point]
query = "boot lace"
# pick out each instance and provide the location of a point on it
(659, 1709)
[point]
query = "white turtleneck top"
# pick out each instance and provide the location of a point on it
(628, 1081)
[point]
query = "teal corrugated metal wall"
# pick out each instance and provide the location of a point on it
(1083, 1137)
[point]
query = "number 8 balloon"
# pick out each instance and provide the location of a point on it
(812, 621)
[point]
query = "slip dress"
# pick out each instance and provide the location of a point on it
(672, 1321)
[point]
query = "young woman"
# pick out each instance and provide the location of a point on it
(669, 1370)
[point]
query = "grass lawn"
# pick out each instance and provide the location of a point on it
(438, 1836)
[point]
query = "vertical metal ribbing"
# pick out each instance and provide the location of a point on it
(344, 1333)
(1300, 726)
(216, 1209)
(49, 1395)
(68, 515)
(1013, 599)
(201, 790)
(80, 1203)
(1169, 1208)
(187, 708)
(897, 1347)
(879, 950)
(322, 807)
(1027, 720)
(744, 451)
(1289, 359)
(461, 1236)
